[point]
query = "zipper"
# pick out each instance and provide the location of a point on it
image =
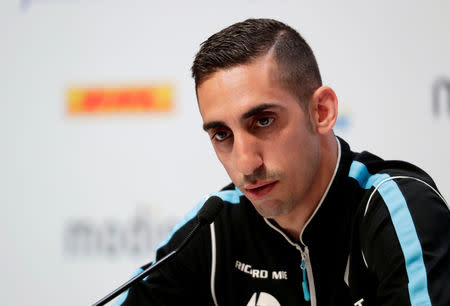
(305, 286)
(308, 288)
(305, 279)
(310, 276)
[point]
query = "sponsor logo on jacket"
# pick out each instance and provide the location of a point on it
(260, 273)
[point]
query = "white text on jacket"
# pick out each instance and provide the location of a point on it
(259, 273)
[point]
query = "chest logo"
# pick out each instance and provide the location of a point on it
(260, 273)
(263, 299)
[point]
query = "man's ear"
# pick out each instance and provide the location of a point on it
(323, 109)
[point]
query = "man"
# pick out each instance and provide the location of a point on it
(306, 221)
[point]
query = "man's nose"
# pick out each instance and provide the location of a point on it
(247, 155)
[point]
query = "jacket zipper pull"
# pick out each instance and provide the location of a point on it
(305, 281)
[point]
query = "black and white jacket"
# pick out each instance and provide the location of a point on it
(379, 236)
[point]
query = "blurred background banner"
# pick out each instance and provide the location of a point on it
(101, 146)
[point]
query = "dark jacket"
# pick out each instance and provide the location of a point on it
(380, 236)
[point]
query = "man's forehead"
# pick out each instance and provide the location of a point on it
(265, 61)
(234, 83)
(262, 66)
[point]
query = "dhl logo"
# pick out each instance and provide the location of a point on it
(119, 100)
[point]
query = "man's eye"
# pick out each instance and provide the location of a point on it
(220, 136)
(264, 121)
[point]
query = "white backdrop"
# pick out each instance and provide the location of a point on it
(84, 199)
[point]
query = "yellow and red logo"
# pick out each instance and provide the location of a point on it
(131, 99)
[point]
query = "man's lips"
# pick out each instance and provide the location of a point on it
(260, 189)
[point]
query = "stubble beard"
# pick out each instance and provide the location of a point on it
(274, 208)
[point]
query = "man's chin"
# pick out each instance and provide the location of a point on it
(271, 208)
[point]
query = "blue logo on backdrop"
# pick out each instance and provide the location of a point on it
(342, 122)
(24, 4)
(344, 119)
(441, 96)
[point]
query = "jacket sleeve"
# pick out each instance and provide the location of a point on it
(405, 236)
(184, 280)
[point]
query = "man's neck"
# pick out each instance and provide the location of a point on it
(294, 222)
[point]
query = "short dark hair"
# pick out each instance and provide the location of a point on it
(243, 42)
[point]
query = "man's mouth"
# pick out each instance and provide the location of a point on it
(259, 189)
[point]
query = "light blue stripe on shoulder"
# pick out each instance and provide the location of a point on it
(359, 172)
(404, 228)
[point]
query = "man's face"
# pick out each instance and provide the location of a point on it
(261, 135)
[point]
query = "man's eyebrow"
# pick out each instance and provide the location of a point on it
(258, 109)
(253, 111)
(212, 125)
